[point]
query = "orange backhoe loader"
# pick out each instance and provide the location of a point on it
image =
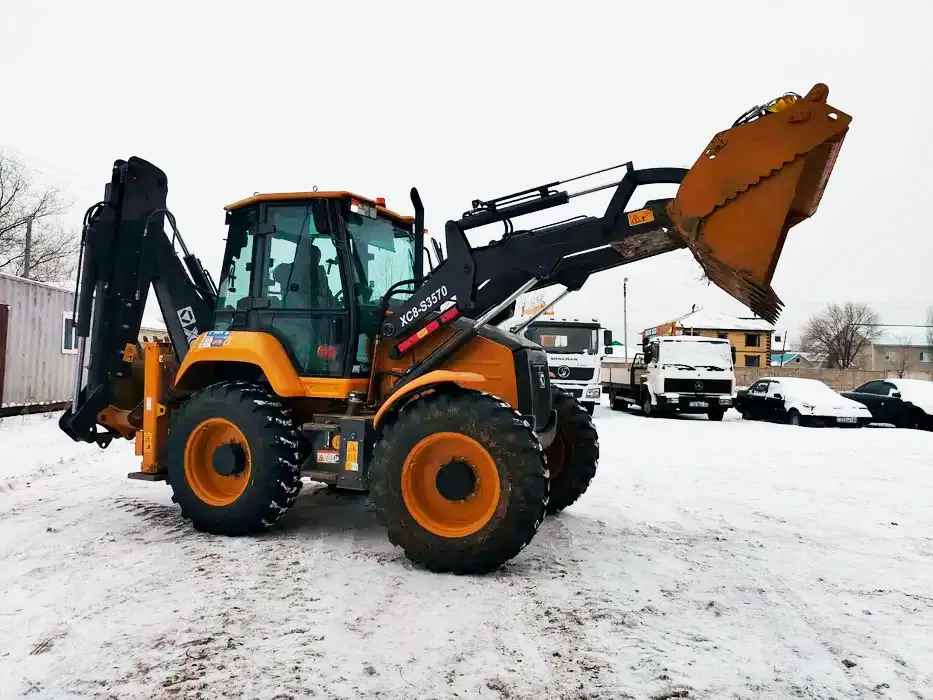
(328, 352)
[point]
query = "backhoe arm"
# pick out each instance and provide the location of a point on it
(124, 250)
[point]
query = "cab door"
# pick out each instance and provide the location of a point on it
(299, 295)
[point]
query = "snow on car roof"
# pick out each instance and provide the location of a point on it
(801, 383)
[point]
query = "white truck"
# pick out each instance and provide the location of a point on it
(574, 354)
(676, 373)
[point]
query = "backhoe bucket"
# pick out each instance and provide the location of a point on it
(751, 185)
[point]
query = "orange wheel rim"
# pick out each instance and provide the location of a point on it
(450, 485)
(209, 485)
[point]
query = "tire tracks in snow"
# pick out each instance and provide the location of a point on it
(562, 621)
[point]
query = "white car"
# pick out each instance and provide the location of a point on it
(799, 401)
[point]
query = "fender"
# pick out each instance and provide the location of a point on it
(248, 347)
(465, 380)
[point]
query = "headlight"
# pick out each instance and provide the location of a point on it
(725, 400)
(592, 393)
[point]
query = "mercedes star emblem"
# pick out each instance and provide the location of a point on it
(699, 386)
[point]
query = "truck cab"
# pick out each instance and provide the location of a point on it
(574, 350)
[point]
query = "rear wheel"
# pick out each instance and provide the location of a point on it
(573, 455)
(459, 481)
(615, 403)
(234, 462)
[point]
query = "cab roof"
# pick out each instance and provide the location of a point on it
(262, 198)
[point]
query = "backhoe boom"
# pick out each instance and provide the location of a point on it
(124, 250)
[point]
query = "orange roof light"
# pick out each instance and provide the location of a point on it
(380, 201)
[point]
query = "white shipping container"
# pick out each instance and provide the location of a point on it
(39, 362)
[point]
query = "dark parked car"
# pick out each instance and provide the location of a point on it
(906, 403)
(799, 401)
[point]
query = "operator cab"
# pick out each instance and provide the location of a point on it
(311, 269)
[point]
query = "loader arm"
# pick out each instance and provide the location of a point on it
(733, 210)
(124, 251)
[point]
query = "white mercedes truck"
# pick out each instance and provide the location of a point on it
(673, 374)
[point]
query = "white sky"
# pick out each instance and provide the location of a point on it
(481, 99)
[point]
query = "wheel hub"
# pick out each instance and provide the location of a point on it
(229, 459)
(455, 480)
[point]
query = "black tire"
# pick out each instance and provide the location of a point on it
(573, 456)
(746, 415)
(793, 417)
(913, 420)
(274, 450)
(519, 463)
(716, 414)
(616, 404)
(646, 406)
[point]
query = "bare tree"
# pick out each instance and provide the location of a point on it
(898, 357)
(930, 325)
(53, 248)
(840, 333)
(532, 301)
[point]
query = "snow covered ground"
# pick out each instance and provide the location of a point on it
(708, 560)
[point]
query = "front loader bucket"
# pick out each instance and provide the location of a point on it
(751, 185)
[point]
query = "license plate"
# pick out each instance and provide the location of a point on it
(698, 404)
(847, 419)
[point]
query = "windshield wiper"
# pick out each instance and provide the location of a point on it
(714, 368)
(679, 365)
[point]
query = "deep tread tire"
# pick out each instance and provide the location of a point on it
(274, 445)
(521, 467)
(579, 453)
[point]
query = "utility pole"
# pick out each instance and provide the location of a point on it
(27, 252)
(625, 317)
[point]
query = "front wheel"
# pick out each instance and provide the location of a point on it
(793, 417)
(646, 406)
(459, 481)
(716, 414)
(573, 456)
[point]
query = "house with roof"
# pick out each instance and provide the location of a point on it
(795, 359)
(902, 349)
(751, 337)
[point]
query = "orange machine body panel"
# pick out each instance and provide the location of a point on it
(304, 196)
(482, 364)
(264, 351)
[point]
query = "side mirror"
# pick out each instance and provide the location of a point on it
(607, 337)
(896, 394)
(732, 348)
(607, 350)
(779, 397)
